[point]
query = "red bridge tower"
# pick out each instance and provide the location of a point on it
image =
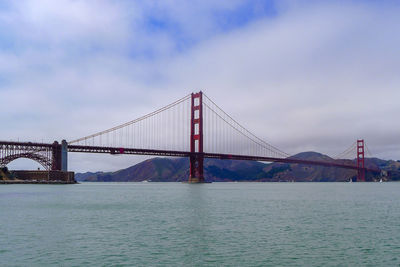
(196, 139)
(360, 161)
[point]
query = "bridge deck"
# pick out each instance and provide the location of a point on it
(171, 153)
(152, 152)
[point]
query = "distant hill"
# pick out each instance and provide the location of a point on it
(177, 170)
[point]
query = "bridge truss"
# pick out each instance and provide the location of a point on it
(47, 155)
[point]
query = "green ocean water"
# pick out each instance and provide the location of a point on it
(219, 224)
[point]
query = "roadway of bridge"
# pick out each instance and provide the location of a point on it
(169, 153)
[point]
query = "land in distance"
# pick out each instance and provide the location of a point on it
(177, 170)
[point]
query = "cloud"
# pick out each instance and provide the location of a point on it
(303, 76)
(313, 78)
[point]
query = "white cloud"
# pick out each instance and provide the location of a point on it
(314, 77)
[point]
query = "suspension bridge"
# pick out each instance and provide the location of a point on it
(193, 126)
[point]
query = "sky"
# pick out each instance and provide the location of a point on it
(303, 75)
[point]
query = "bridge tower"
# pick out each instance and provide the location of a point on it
(196, 139)
(360, 161)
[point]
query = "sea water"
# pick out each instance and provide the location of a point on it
(219, 224)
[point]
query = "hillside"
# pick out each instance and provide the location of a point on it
(177, 170)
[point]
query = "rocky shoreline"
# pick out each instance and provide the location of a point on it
(35, 182)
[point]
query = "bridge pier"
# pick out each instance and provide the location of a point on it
(64, 155)
(196, 169)
(59, 156)
(56, 156)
